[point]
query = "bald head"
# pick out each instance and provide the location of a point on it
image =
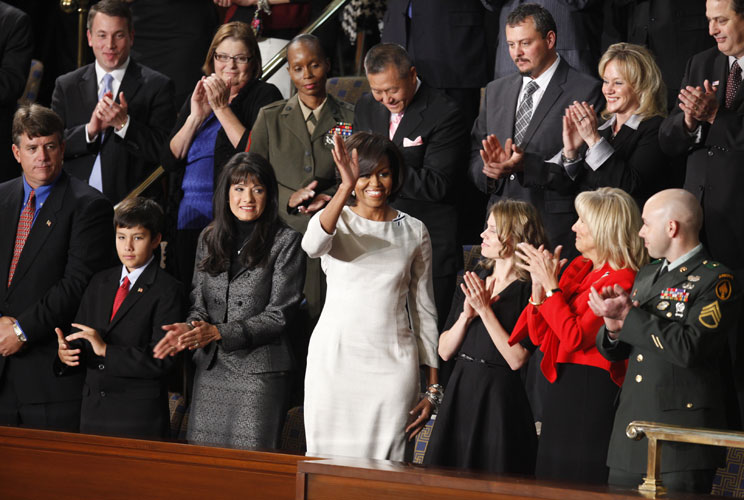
(671, 223)
(678, 205)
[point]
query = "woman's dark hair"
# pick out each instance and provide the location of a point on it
(219, 236)
(371, 148)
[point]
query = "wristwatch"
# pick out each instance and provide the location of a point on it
(550, 293)
(19, 333)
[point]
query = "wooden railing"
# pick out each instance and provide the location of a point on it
(656, 433)
(267, 71)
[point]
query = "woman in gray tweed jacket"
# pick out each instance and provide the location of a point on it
(247, 286)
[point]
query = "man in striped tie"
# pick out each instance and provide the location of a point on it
(707, 126)
(55, 234)
(526, 109)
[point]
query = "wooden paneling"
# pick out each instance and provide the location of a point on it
(43, 464)
(375, 479)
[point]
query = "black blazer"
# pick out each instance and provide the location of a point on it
(714, 166)
(125, 393)
(124, 162)
(251, 98)
(71, 239)
(433, 169)
(637, 166)
(16, 46)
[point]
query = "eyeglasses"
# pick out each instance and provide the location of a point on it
(240, 58)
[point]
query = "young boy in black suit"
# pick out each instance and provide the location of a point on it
(119, 322)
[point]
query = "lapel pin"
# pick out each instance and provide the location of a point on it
(49, 223)
(139, 290)
(683, 269)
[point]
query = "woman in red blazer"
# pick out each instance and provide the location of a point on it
(578, 406)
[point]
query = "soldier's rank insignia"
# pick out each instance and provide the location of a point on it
(710, 315)
(688, 286)
(693, 278)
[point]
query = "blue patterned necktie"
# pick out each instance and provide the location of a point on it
(524, 113)
(96, 176)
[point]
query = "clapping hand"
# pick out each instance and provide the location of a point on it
(584, 119)
(498, 160)
(218, 91)
(91, 335)
(543, 266)
(68, 355)
(478, 295)
(612, 303)
(200, 107)
(169, 345)
(298, 198)
(699, 104)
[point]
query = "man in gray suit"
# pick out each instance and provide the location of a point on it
(526, 109)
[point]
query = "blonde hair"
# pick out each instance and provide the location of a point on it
(613, 218)
(516, 222)
(637, 66)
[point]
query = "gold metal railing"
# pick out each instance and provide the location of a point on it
(268, 70)
(81, 7)
(656, 433)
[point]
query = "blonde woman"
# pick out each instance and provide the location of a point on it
(623, 149)
(485, 421)
(578, 406)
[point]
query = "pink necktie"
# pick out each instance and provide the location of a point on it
(395, 119)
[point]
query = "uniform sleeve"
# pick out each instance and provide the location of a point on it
(258, 141)
(702, 332)
(286, 293)
(421, 303)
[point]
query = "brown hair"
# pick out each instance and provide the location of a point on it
(516, 222)
(111, 8)
(34, 120)
(241, 32)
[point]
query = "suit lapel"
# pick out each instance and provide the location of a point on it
(44, 225)
(548, 100)
(412, 116)
(721, 69)
(131, 82)
(88, 89)
(502, 117)
(294, 122)
(10, 207)
(136, 291)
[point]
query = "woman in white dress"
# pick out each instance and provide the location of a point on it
(378, 325)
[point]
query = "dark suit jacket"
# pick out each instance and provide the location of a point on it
(674, 361)
(446, 40)
(542, 141)
(714, 166)
(124, 162)
(125, 393)
(637, 165)
(16, 45)
(579, 24)
(433, 169)
(70, 240)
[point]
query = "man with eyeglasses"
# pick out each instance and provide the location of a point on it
(117, 113)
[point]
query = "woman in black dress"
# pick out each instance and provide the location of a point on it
(485, 421)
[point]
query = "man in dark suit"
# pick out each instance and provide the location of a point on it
(527, 109)
(672, 329)
(117, 113)
(56, 235)
(708, 127)
(427, 127)
(16, 45)
(120, 321)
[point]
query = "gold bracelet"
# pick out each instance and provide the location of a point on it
(535, 303)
